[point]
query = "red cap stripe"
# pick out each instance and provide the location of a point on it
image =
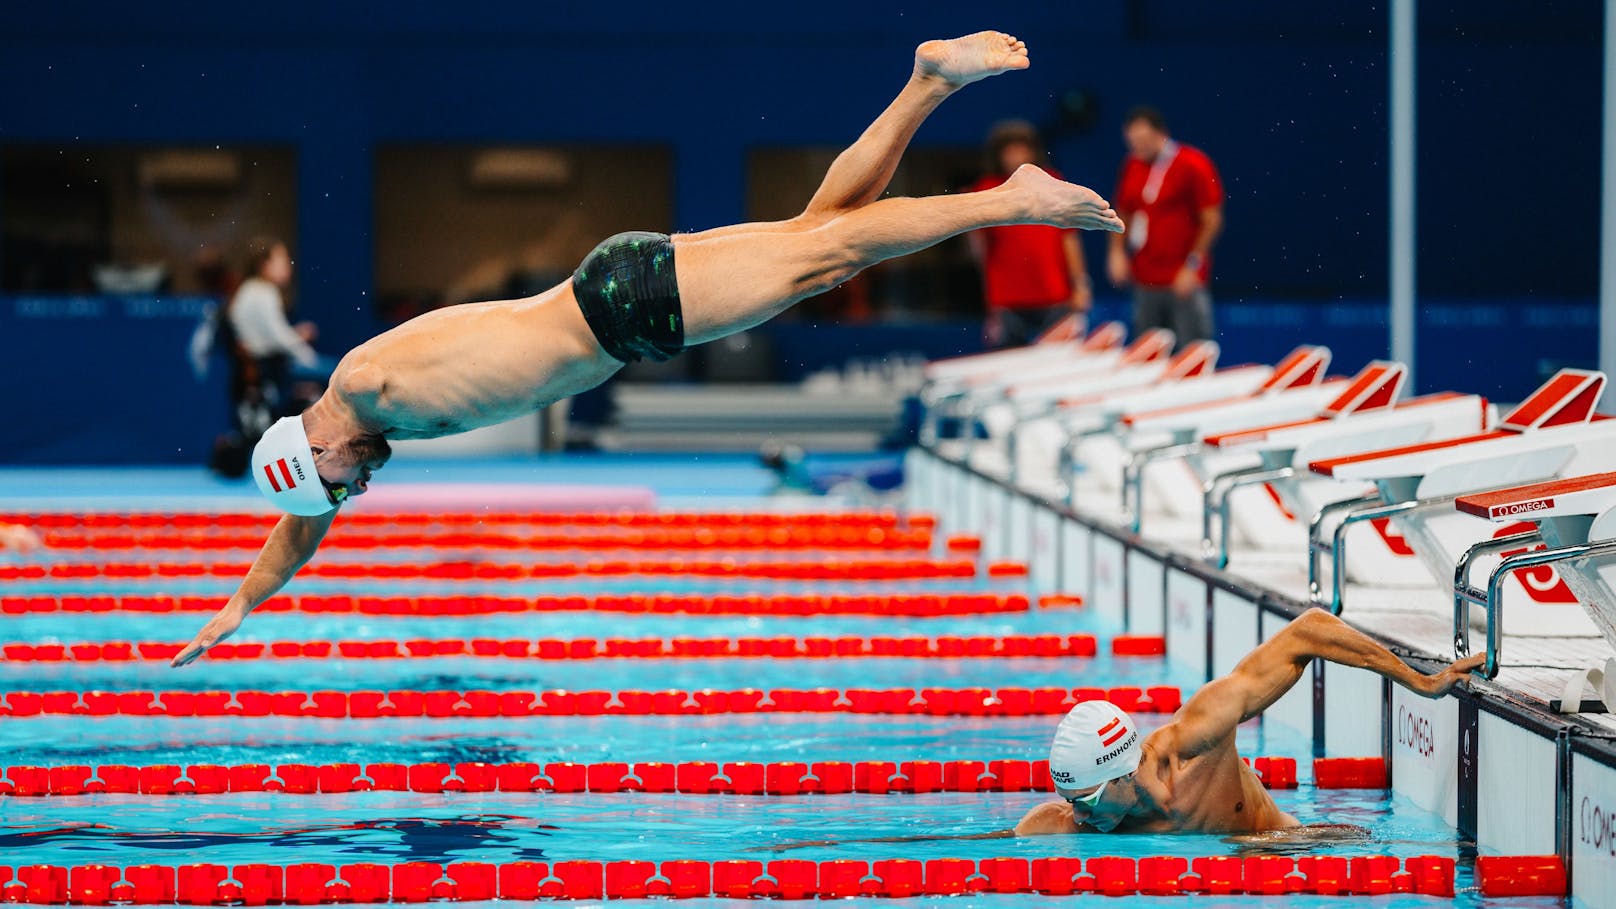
(287, 474)
(272, 481)
(1107, 727)
(1108, 740)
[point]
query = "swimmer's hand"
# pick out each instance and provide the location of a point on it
(20, 538)
(221, 626)
(289, 547)
(1435, 686)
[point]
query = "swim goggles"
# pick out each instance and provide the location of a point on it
(1090, 800)
(336, 492)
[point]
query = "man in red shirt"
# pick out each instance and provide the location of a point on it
(1032, 274)
(1171, 199)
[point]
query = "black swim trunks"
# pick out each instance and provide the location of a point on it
(630, 297)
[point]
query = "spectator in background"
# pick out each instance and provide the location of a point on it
(1171, 200)
(1032, 274)
(269, 345)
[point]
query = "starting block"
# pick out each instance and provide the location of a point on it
(1363, 419)
(1554, 433)
(1576, 519)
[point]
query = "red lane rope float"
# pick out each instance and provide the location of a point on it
(689, 777)
(206, 521)
(944, 647)
(440, 704)
(725, 538)
(1521, 875)
(1350, 773)
(418, 882)
(898, 604)
(815, 570)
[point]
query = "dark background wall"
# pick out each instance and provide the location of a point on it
(1288, 98)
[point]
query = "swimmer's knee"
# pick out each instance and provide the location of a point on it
(831, 269)
(813, 219)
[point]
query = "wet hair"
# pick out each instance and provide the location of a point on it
(1150, 115)
(259, 249)
(1011, 132)
(366, 448)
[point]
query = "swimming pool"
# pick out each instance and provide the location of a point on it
(354, 829)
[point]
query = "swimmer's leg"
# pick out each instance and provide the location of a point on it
(736, 280)
(862, 171)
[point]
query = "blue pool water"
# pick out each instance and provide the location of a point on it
(499, 827)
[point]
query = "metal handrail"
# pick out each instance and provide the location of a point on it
(1041, 410)
(1338, 545)
(1315, 542)
(1067, 464)
(1216, 553)
(1464, 593)
(1133, 473)
(942, 405)
(1492, 600)
(1012, 473)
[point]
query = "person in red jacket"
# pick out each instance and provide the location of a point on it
(1032, 274)
(1171, 200)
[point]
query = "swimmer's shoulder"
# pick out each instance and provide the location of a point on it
(1047, 818)
(361, 386)
(358, 378)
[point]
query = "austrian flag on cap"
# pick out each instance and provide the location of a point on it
(1111, 732)
(1096, 742)
(283, 467)
(285, 475)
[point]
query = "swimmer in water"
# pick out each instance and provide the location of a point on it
(1187, 777)
(636, 296)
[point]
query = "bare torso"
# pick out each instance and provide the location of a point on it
(1214, 792)
(472, 365)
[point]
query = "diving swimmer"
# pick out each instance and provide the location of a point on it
(636, 296)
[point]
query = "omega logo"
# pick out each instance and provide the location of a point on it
(1593, 827)
(1415, 732)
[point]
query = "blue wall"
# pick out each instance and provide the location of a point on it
(1290, 100)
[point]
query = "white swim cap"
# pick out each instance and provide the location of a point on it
(1095, 742)
(283, 465)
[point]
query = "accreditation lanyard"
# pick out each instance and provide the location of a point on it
(1139, 223)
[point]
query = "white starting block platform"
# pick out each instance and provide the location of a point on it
(1419, 488)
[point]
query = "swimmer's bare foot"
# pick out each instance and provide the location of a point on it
(1051, 201)
(961, 61)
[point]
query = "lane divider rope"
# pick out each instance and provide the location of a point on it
(872, 539)
(644, 519)
(782, 778)
(903, 604)
(417, 882)
(805, 570)
(942, 647)
(444, 704)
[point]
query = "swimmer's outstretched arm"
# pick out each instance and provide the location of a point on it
(289, 547)
(1208, 719)
(917, 838)
(1044, 819)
